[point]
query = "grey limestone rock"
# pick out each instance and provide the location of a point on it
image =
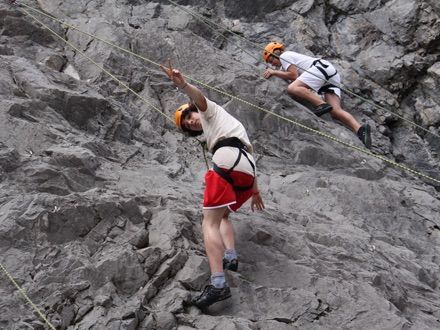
(100, 196)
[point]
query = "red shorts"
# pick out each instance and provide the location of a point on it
(219, 192)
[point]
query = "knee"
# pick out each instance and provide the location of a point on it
(292, 89)
(210, 224)
(337, 112)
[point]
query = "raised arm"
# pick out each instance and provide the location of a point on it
(192, 91)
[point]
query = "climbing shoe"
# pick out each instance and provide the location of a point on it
(211, 295)
(364, 134)
(322, 109)
(230, 265)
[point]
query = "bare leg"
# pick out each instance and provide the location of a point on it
(212, 236)
(339, 114)
(227, 232)
(301, 90)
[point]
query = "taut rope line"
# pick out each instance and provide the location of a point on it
(26, 297)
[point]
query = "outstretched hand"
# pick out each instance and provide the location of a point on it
(268, 73)
(174, 75)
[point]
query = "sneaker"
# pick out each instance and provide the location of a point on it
(364, 134)
(322, 109)
(211, 295)
(230, 265)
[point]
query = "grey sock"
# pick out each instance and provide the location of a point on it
(218, 280)
(230, 254)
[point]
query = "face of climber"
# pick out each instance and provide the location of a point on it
(192, 121)
(275, 61)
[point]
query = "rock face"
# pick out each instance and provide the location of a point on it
(100, 215)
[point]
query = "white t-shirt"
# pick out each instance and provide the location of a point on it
(302, 62)
(217, 125)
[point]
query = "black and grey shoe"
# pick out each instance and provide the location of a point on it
(211, 295)
(230, 265)
(364, 134)
(322, 109)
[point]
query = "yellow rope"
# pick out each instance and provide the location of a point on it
(23, 293)
(325, 135)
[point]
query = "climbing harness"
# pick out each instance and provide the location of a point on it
(242, 150)
(322, 67)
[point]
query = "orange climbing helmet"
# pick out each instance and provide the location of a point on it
(178, 115)
(270, 48)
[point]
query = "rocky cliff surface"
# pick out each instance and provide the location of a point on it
(100, 199)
